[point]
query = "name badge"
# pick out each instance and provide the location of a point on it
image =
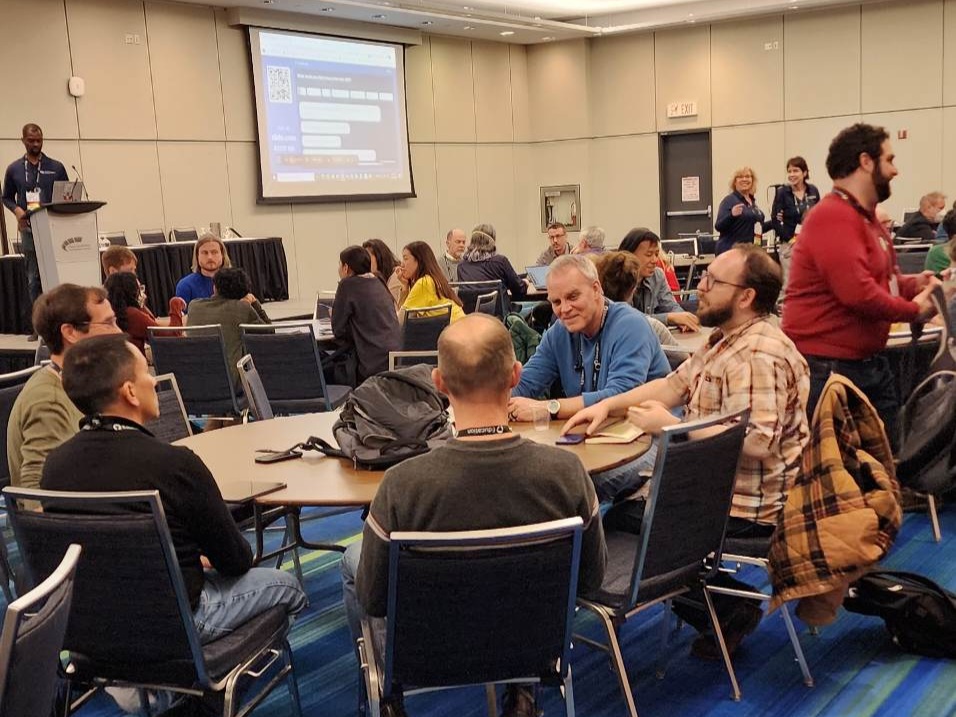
(33, 200)
(797, 230)
(894, 286)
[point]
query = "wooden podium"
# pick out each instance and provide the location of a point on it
(66, 239)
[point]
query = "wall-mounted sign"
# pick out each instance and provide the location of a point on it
(682, 109)
(690, 189)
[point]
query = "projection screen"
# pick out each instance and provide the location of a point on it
(331, 118)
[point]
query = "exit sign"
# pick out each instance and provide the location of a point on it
(682, 109)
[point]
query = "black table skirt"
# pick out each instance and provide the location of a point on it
(161, 266)
(14, 299)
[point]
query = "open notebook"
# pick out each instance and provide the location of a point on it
(615, 430)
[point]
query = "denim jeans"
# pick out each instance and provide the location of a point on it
(872, 376)
(228, 602)
(624, 479)
(32, 265)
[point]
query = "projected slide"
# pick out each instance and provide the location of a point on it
(331, 116)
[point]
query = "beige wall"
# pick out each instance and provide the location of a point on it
(166, 131)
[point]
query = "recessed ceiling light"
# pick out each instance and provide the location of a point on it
(328, 9)
(468, 27)
(268, 2)
(547, 39)
(465, 7)
(378, 17)
(428, 22)
(506, 33)
(690, 14)
(794, 7)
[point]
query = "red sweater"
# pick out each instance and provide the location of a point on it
(838, 300)
(138, 320)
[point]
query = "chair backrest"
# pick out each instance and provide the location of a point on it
(173, 422)
(323, 305)
(675, 355)
(130, 618)
(115, 238)
(423, 326)
(691, 490)
(151, 236)
(289, 365)
(254, 390)
(401, 359)
(472, 293)
(10, 386)
(196, 355)
(183, 234)
(911, 262)
(487, 304)
(481, 606)
(42, 353)
(33, 632)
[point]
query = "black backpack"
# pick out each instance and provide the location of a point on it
(919, 614)
(391, 416)
(927, 422)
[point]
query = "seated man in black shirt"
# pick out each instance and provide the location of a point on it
(109, 382)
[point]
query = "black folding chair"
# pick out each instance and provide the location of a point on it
(183, 234)
(474, 297)
(288, 361)
(681, 535)
(450, 623)
(11, 384)
(33, 631)
(131, 623)
(196, 355)
(423, 326)
(151, 236)
(254, 390)
(403, 359)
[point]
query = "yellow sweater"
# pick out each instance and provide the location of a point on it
(424, 294)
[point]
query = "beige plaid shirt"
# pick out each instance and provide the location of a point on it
(754, 366)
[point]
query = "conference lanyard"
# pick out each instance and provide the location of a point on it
(596, 369)
(99, 423)
(483, 431)
(871, 222)
(26, 174)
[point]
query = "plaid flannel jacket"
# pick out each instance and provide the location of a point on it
(843, 513)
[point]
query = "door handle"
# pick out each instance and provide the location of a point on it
(692, 212)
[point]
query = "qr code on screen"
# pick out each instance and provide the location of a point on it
(280, 85)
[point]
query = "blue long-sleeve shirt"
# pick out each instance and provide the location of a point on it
(22, 177)
(631, 355)
(194, 286)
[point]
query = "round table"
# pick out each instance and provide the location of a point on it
(317, 480)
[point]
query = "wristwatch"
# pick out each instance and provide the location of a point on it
(554, 407)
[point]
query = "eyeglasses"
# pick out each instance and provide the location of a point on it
(106, 322)
(707, 281)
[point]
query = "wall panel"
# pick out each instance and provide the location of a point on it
(822, 63)
(118, 103)
(761, 147)
(128, 173)
(457, 172)
(621, 82)
(893, 78)
(493, 114)
(453, 85)
(682, 74)
(184, 61)
(46, 102)
(195, 184)
(558, 90)
(747, 78)
(623, 196)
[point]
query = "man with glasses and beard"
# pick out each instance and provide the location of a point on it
(845, 287)
(746, 362)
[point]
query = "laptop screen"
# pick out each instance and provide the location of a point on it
(67, 191)
(538, 276)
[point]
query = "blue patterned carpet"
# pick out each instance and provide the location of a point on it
(858, 671)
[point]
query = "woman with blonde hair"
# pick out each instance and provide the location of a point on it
(739, 219)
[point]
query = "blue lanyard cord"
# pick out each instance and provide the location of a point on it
(26, 174)
(596, 366)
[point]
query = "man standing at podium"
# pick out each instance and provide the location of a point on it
(27, 184)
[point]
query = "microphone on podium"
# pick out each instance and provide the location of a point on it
(78, 180)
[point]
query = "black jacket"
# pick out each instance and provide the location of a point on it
(785, 203)
(920, 227)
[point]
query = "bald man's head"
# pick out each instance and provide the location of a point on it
(476, 357)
